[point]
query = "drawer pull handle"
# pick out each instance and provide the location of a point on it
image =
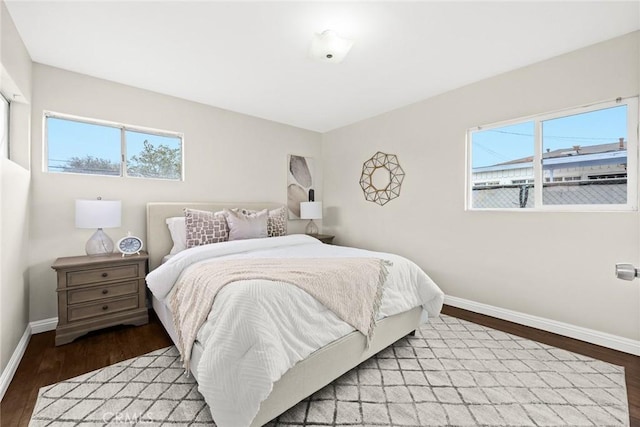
(105, 274)
(105, 291)
(105, 307)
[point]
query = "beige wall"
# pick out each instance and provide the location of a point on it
(15, 68)
(554, 265)
(229, 157)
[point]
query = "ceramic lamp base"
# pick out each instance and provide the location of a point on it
(99, 244)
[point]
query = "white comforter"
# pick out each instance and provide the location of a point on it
(257, 330)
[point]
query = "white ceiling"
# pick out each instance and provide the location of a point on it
(251, 57)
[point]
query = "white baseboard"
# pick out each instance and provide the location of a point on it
(9, 371)
(584, 334)
(43, 325)
(32, 328)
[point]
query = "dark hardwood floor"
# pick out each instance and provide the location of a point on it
(45, 364)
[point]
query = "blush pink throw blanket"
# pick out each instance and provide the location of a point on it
(349, 287)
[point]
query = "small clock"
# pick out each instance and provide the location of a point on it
(129, 245)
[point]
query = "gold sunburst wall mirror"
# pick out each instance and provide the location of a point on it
(381, 178)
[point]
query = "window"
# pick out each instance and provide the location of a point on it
(83, 146)
(4, 127)
(580, 159)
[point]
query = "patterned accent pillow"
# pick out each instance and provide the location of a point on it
(276, 223)
(204, 227)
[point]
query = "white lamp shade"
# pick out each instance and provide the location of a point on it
(98, 213)
(311, 210)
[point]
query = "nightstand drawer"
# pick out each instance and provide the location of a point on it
(101, 292)
(75, 278)
(80, 312)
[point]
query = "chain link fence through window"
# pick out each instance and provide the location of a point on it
(588, 192)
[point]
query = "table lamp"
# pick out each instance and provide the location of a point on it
(311, 211)
(98, 214)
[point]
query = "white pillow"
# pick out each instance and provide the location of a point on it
(178, 231)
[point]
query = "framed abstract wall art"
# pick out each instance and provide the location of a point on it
(300, 183)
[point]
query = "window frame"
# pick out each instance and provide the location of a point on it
(6, 151)
(123, 128)
(538, 178)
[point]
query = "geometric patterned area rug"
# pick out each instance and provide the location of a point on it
(452, 373)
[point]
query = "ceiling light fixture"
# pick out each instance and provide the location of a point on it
(330, 47)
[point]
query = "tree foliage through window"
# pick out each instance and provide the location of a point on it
(91, 165)
(156, 162)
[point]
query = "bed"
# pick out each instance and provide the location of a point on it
(316, 369)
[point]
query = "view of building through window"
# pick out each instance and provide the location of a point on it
(503, 166)
(83, 147)
(583, 160)
(585, 168)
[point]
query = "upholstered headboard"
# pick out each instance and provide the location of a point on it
(158, 238)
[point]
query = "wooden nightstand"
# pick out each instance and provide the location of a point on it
(324, 238)
(97, 292)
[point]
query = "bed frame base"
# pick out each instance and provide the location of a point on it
(330, 362)
(321, 367)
